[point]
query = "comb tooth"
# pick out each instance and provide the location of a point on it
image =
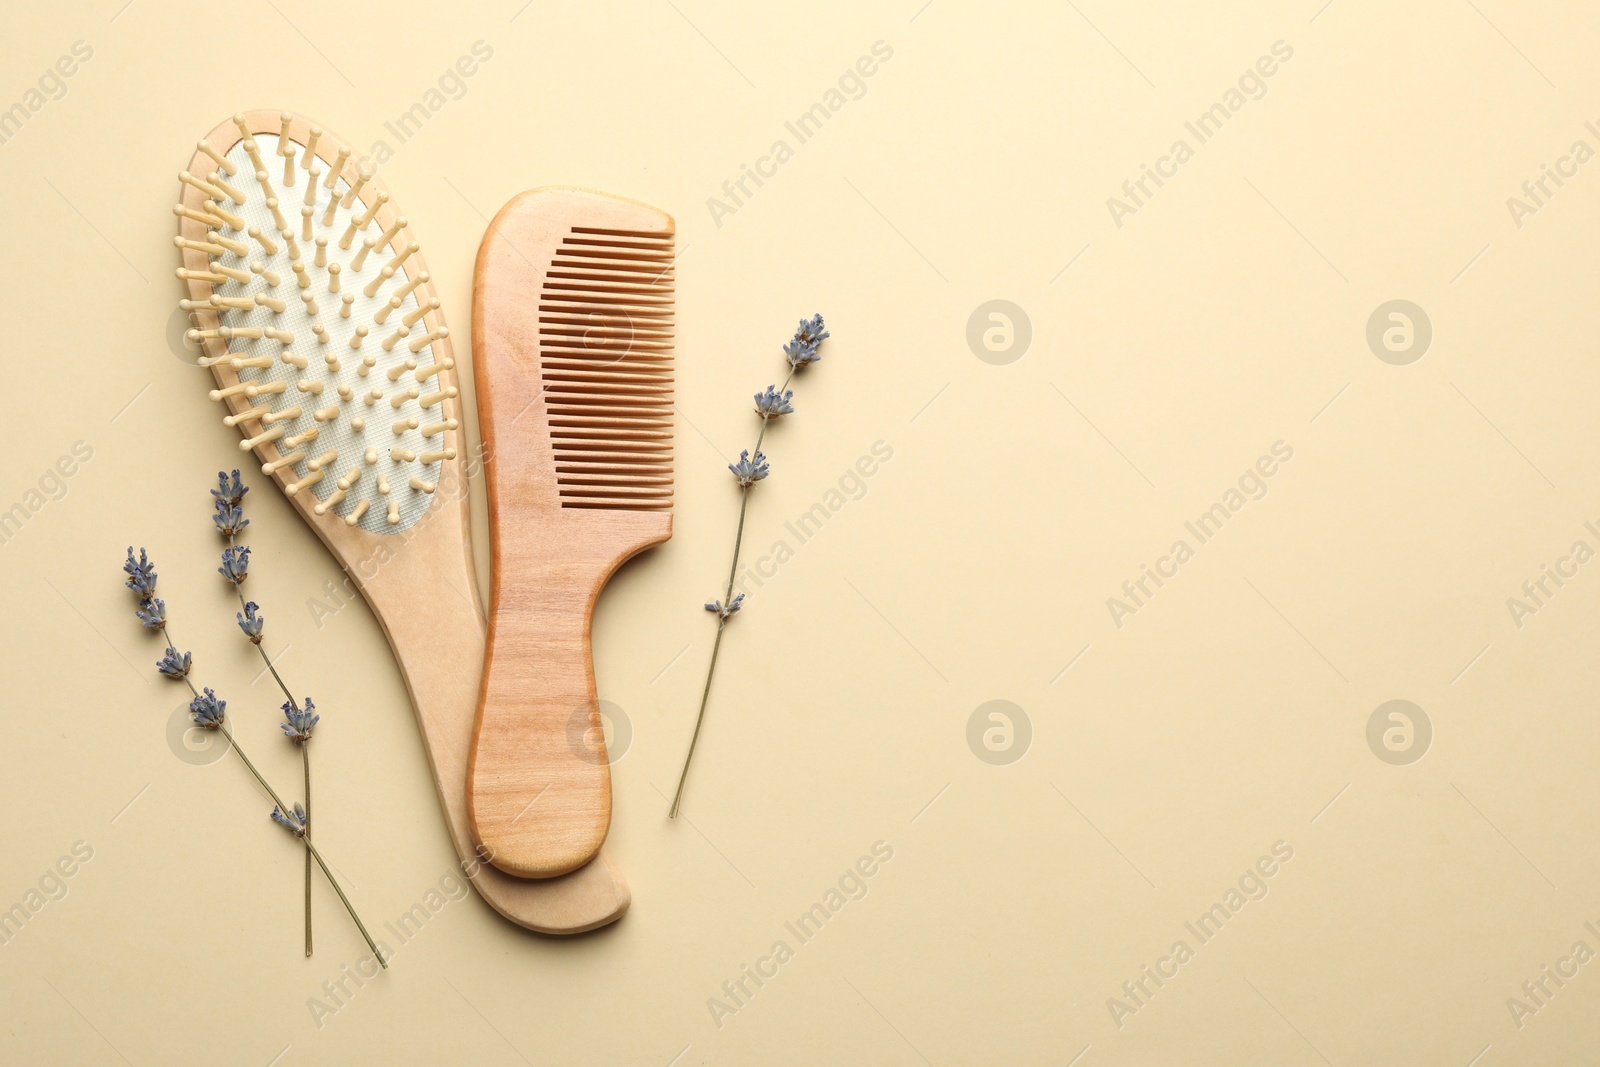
(652, 369)
(615, 505)
(616, 496)
(581, 297)
(619, 404)
(601, 437)
(585, 452)
(604, 379)
(617, 421)
(604, 329)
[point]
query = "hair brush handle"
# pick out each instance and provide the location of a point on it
(572, 355)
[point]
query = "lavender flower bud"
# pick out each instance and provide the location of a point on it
(771, 404)
(811, 331)
(153, 613)
(235, 564)
(207, 710)
(251, 623)
(294, 821)
(726, 613)
(801, 353)
(174, 665)
(299, 724)
(141, 574)
(229, 492)
(749, 471)
(229, 518)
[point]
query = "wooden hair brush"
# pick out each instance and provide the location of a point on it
(319, 321)
(572, 352)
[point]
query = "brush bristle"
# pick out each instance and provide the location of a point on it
(605, 345)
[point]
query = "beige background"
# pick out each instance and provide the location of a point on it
(1230, 713)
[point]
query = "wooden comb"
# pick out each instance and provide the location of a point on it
(299, 270)
(572, 352)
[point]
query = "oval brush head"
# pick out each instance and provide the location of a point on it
(328, 338)
(318, 320)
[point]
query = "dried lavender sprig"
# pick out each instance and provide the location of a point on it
(801, 351)
(228, 517)
(210, 713)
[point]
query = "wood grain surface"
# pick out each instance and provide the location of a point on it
(572, 356)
